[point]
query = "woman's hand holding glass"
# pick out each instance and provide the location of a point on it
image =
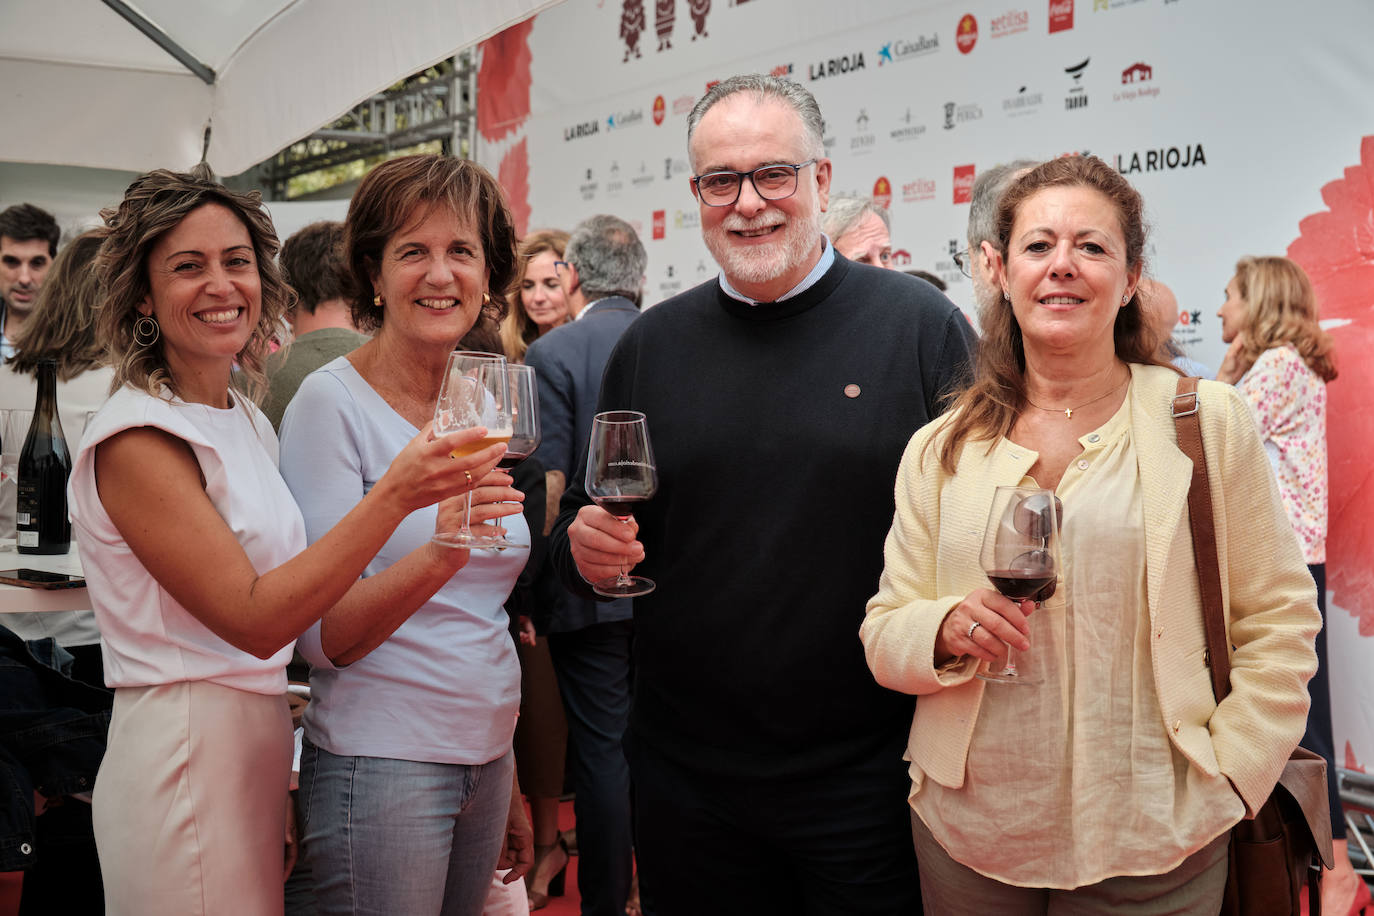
(1000, 622)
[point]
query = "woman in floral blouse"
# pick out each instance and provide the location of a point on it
(1280, 359)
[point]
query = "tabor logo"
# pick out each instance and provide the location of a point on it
(623, 119)
(660, 109)
(660, 224)
(1061, 15)
(584, 129)
(918, 190)
(966, 36)
(960, 114)
(900, 49)
(1078, 96)
(882, 193)
(909, 130)
(963, 184)
(1158, 160)
(1009, 23)
(1023, 103)
(837, 66)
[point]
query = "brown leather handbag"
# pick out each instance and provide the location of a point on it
(1284, 847)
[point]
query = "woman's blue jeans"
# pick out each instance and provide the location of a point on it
(387, 836)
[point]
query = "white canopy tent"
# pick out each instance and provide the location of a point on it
(163, 83)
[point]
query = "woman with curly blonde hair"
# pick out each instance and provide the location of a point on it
(196, 557)
(1280, 360)
(539, 297)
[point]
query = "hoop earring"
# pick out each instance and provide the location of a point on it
(378, 301)
(486, 298)
(146, 331)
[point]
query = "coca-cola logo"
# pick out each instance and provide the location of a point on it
(966, 35)
(1061, 15)
(963, 184)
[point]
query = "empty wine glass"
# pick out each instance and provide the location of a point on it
(1021, 558)
(474, 392)
(620, 475)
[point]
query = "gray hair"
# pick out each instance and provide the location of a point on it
(845, 211)
(987, 190)
(763, 88)
(609, 257)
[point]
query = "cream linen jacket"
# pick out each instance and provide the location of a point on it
(932, 564)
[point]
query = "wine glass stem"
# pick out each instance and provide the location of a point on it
(624, 578)
(467, 514)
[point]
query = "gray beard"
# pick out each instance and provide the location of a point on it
(766, 263)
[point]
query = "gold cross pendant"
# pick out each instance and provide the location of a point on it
(1068, 413)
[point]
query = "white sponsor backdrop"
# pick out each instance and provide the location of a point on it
(1228, 115)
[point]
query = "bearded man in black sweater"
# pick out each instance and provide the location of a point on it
(766, 762)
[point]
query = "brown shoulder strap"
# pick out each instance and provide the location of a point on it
(1204, 536)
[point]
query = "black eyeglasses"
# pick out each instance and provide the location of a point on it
(560, 266)
(964, 261)
(771, 182)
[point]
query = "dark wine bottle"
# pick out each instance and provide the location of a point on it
(44, 465)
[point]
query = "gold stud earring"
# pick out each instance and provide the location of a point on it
(378, 301)
(486, 298)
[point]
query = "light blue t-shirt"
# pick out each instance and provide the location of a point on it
(445, 687)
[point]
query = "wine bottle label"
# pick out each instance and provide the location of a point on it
(28, 539)
(22, 518)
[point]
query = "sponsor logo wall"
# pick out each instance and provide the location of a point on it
(1230, 151)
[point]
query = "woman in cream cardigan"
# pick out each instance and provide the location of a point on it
(1111, 786)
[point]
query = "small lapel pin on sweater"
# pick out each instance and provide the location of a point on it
(851, 390)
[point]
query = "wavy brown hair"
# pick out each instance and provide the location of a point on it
(989, 407)
(1281, 308)
(153, 206)
(399, 191)
(517, 330)
(62, 324)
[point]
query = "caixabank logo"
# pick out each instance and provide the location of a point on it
(966, 33)
(901, 49)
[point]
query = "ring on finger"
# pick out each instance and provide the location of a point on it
(468, 475)
(975, 625)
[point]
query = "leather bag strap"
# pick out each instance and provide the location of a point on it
(1185, 410)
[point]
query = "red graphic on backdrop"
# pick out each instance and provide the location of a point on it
(660, 109)
(1336, 248)
(504, 75)
(966, 36)
(882, 193)
(631, 25)
(1350, 762)
(663, 22)
(963, 184)
(699, 9)
(514, 176)
(660, 223)
(1061, 15)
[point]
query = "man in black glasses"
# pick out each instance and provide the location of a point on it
(766, 762)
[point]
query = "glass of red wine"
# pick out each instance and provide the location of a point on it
(620, 476)
(1021, 558)
(524, 400)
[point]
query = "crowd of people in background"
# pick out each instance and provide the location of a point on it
(797, 719)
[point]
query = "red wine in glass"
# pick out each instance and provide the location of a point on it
(620, 476)
(1020, 557)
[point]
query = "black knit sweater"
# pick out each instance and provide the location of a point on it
(777, 430)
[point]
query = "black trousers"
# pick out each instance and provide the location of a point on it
(1318, 738)
(823, 845)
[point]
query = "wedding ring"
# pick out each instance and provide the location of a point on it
(975, 626)
(468, 475)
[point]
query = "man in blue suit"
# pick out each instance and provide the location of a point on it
(590, 640)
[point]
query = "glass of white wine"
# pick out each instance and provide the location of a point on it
(474, 392)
